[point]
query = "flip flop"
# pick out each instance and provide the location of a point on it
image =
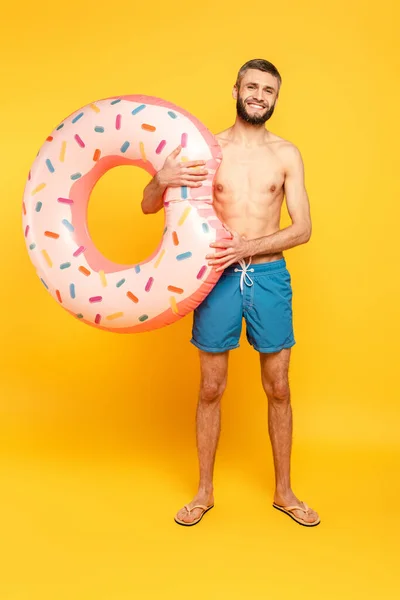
(204, 508)
(288, 510)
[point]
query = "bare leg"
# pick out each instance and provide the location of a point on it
(275, 379)
(214, 370)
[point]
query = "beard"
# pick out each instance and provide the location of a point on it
(252, 119)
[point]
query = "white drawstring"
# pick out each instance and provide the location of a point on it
(245, 276)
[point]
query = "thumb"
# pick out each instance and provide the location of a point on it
(175, 152)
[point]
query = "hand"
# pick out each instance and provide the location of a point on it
(234, 249)
(177, 174)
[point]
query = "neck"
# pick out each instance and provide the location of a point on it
(245, 133)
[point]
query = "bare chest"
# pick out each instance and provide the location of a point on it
(251, 175)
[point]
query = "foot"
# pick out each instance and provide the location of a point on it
(202, 498)
(289, 499)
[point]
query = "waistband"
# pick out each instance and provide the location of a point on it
(259, 268)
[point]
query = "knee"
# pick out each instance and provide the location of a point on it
(277, 390)
(211, 390)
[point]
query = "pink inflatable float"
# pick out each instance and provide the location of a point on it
(125, 130)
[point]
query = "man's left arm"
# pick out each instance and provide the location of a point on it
(299, 232)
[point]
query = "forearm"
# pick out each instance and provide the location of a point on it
(286, 238)
(153, 196)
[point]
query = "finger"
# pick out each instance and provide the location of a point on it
(194, 171)
(218, 255)
(221, 244)
(194, 177)
(219, 261)
(225, 266)
(175, 152)
(195, 163)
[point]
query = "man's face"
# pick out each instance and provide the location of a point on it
(256, 97)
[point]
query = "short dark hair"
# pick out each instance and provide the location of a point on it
(261, 65)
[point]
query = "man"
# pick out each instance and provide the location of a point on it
(258, 169)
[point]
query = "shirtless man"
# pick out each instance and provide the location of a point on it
(258, 169)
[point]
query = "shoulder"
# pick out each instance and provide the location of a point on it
(289, 153)
(223, 137)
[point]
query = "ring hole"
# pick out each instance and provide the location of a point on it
(117, 226)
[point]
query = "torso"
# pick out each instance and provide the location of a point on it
(249, 187)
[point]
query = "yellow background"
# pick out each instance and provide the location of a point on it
(97, 430)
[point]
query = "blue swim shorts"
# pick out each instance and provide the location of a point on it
(259, 293)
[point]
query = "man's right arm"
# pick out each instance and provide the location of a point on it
(153, 195)
(173, 174)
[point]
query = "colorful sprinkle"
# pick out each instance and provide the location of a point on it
(175, 238)
(184, 192)
(205, 227)
(184, 215)
(149, 284)
(118, 122)
(172, 114)
(38, 206)
(32, 246)
(95, 299)
(76, 176)
(47, 258)
(184, 139)
(138, 109)
(137, 269)
(103, 278)
(96, 154)
(97, 319)
(52, 235)
(24, 208)
(84, 270)
(68, 225)
(132, 297)
(147, 127)
(65, 265)
(49, 138)
(143, 318)
(80, 316)
(184, 256)
(94, 107)
(72, 290)
(62, 151)
(99, 129)
(201, 272)
(161, 146)
(44, 283)
(116, 101)
(26, 230)
(49, 165)
(165, 230)
(80, 141)
(173, 304)
(75, 119)
(125, 146)
(60, 126)
(38, 188)
(79, 251)
(159, 259)
(65, 200)
(176, 290)
(116, 315)
(120, 282)
(29, 176)
(142, 151)
(58, 296)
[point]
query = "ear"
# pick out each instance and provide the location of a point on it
(235, 92)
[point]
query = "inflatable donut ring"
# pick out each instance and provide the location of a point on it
(125, 130)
